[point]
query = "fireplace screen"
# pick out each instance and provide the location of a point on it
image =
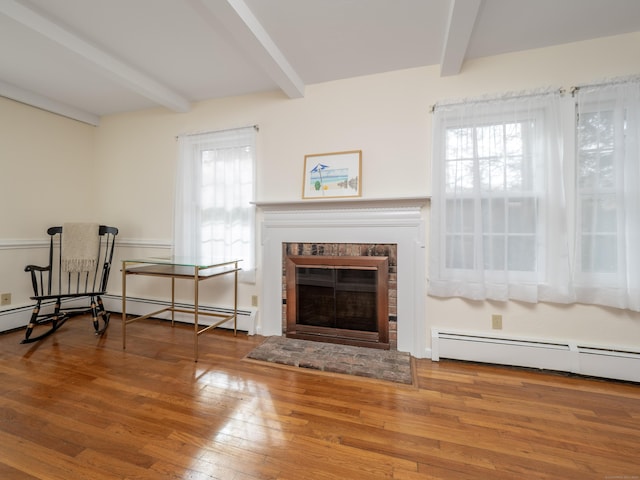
(338, 299)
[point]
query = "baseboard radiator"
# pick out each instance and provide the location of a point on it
(143, 306)
(564, 356)
(11, 319)
(15, 317)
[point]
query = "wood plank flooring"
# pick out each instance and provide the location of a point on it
(76, 406)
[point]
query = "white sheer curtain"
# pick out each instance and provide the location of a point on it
(498, 225)
(214, 216)
(607, 245)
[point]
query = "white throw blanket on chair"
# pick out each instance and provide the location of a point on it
(80, 243)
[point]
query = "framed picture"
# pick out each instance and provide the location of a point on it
(332, 175)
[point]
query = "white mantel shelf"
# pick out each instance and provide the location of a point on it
(358, 202)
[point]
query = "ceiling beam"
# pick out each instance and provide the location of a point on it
(244, 29)
(113, 67)
(462, 18)
(45, 103)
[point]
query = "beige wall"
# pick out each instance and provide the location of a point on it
(47, 170)
(386, 116)
(46, 178)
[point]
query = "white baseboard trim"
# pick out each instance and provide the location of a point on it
(12, 318)
(18, 317)
(247, 316)
(615, 362)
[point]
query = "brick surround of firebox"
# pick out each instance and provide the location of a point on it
(349, 249)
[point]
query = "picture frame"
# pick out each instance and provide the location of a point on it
(332, 175)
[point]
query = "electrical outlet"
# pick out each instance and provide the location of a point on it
(496, 322)
(254, 300)
(5, 299)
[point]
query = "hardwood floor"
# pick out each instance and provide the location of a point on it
(76, 406)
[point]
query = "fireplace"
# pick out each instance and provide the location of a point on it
(338, 299)
(309, 227)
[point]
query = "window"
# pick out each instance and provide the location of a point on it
(597, 193)
(499, 214)
(214, 216)
(495, 161)
(495, 192)
(607, 262)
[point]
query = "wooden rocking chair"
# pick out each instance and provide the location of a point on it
(63, 282)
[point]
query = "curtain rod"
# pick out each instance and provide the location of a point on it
(571, 90)
(491, 98)
(606, 83)
(256, 127)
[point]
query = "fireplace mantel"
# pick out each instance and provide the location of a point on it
(397, 221)
(331, 203)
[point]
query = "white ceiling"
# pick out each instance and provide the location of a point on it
(88, 58)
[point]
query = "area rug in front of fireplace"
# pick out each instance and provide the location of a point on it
(389, 365)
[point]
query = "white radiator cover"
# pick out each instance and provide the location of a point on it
(15, 317)
(620, 363)
(142, 306)
(18, 317)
